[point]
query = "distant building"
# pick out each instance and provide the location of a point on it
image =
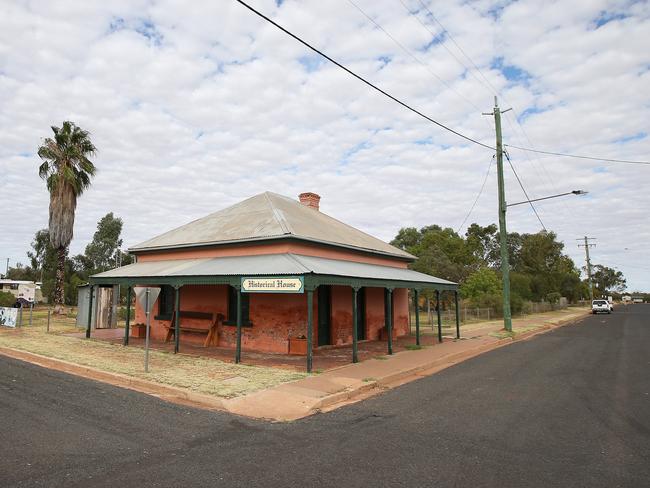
(25, 291)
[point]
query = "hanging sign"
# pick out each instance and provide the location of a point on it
(284, 284)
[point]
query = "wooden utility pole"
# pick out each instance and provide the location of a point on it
(587, 245)
(503, 233)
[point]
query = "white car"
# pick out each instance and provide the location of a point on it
(600, 306)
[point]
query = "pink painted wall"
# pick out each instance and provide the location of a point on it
(273, 248)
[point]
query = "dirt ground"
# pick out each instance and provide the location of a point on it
(201, 374)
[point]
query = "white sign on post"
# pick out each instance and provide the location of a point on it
(147, 296)
(8, 316)
(28, 293)
(141, 295)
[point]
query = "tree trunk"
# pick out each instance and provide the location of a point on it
(59, 283)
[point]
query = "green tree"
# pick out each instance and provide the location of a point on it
(483, 243)
(67, 170)
(539, 266)
(608, 280)
(43, 262)
(407, 238)
(43, 258)
(485, 281)
(103, 252)
(440, 252)
(520, 285)
(20, 272)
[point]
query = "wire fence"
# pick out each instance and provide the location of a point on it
(468, 315)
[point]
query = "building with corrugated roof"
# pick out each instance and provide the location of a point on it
(270, 273)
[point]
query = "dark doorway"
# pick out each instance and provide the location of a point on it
(324, 315)
(361, 314)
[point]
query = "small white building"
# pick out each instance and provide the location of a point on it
(27, 291)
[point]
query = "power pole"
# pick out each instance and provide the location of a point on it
(587, 245)
(503, 233)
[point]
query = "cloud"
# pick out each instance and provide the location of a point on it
(197, 106)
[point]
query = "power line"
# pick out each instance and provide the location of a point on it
(469, 70)
(486, 84)
(413, 56)
(593, 158)
(444, 45)
(489, 86)
(360, 78)
(451, 38)
(524, 190)
(477, 196)
(515, 116)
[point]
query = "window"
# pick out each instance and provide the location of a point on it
(165, 303)
(14, 286)
(232, 308)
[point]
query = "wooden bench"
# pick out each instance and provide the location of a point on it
(210, 319)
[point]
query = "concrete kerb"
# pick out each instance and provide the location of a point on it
(359, 389)
(169, 393)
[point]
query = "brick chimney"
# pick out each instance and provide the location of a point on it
(309, 199)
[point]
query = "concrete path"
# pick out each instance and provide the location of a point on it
(342, 385)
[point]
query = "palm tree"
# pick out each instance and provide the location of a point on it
(67, 172)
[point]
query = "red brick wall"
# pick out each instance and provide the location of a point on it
(341, 315)
(374, 312)
(276, 317)
(400, 311)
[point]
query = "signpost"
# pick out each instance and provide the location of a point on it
(283, 284)
(8, 316)
(147, 296)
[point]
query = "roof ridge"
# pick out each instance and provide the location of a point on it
(398, 251)
(284, 224)
(264, 216)
(198, 219)
(299, 262)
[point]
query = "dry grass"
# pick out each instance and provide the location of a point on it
(205, 375)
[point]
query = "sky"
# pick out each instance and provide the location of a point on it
(195, 106)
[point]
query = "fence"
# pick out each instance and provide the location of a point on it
(429, 317)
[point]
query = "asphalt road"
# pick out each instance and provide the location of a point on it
(567, 408)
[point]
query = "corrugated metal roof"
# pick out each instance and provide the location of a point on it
(268, 216)
(268, 264)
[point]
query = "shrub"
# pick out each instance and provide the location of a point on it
(553, 297)
(121, 313)
(7, 299)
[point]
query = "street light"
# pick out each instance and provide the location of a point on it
(574, 192)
